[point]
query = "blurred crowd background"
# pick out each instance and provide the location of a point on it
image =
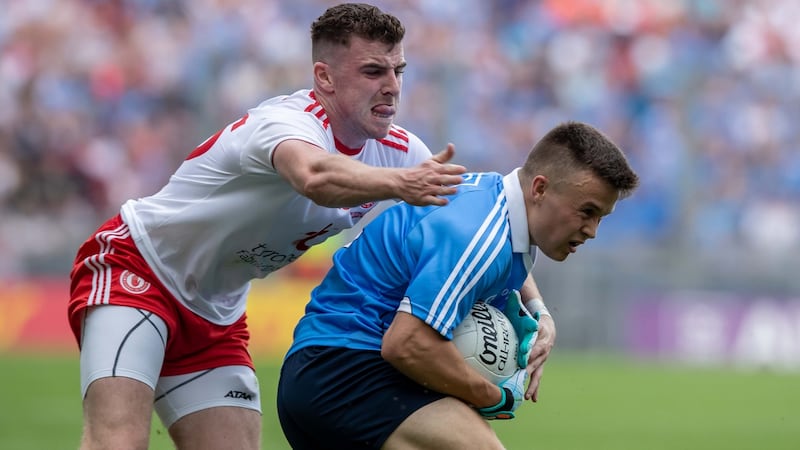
(100, 100)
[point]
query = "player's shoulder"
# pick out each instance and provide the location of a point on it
(477, 194)
(480, 181)
(398, 138)
(293, 115)
(404, 141)
(301, 104)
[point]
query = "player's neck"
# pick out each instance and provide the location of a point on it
(347, 141)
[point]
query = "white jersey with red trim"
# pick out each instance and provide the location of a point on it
(226, 217)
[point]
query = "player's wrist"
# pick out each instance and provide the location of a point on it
(493, 397)
(536, 305)
(507, 399)
(505, 404)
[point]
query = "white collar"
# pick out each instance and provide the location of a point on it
(517, 216)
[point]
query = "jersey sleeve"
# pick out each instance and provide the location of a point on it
(459, 253)
(268, 129)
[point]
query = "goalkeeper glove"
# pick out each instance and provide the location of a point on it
(525, 325)
(512, 391)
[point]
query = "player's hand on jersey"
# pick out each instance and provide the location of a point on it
(525, 324)
(513, 390)
(428, 183)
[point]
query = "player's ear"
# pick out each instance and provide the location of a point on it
(538, 186)
(322, 77)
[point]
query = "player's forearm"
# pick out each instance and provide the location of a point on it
(336, 181)
(436, 363)
(340, 182)
(529, 290)
(449, 376)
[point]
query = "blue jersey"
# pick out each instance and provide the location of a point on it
(434, 262)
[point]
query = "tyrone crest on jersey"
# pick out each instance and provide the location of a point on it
(357, 212)
(133, 283)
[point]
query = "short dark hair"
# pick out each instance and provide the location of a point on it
(338, 23)
(573, 146)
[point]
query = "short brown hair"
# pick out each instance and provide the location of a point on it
(574, 146)
(338, 23)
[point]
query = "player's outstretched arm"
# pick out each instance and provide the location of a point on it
(338, 181)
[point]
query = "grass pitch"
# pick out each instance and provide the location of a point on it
(586, 402)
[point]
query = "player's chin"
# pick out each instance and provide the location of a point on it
(381, 124)
(556, 254)
(380, 132)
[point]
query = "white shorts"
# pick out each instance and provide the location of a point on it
(120, 341)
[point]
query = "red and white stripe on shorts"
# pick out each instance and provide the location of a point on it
(101, 270)
(110, 270)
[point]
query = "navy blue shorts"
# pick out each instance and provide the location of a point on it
(338, 398)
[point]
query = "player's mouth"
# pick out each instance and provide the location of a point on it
(573, 246)
(384, 111)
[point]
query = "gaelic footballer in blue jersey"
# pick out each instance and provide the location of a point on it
(372, 364)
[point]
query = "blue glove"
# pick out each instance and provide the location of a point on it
(513, 390)
(525, 325)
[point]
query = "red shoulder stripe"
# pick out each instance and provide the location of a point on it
(397, 139)
(320, 111)
(395, 145)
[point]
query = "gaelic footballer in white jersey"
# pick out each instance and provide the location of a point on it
(226, 216)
